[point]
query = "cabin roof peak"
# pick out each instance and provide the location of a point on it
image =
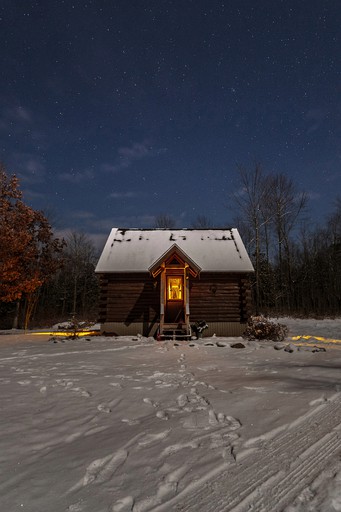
(138, 250)
(174, 252)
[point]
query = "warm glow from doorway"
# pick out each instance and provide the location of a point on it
(174, 288)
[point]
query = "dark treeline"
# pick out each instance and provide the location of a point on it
(72, 293)
(297, 266)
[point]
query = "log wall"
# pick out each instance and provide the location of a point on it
(135, 298)
(219, 297)
(129, 298)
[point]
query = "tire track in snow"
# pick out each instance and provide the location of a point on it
(273, 472)
(283, 487)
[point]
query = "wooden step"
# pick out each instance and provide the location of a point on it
(175, 332)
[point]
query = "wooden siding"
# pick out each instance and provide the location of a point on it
(129, 298)
(220, 298)
(135, 299)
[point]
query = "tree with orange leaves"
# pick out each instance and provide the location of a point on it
(28, 250)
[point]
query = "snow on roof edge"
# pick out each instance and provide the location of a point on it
(135, 250)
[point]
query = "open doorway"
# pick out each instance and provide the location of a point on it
(174, 310)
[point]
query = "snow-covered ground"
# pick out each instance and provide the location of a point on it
(130, 424)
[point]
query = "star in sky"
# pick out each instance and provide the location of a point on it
(114, 112)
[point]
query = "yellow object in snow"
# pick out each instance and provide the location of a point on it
(317, 338)
(67, 333)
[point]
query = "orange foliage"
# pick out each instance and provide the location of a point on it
(28, 251)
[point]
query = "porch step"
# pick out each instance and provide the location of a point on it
(175, 332)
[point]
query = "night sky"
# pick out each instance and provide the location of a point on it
(114, 111)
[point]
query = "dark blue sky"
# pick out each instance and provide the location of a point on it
(113, 111)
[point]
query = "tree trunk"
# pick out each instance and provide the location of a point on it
(16, 315)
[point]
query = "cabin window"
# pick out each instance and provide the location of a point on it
(174, 288)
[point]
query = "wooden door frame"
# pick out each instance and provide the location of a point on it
(165, 266)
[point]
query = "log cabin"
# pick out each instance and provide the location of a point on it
(164, 282)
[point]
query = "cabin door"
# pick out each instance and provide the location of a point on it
(174, 310)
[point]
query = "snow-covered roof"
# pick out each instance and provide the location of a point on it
(137, 250)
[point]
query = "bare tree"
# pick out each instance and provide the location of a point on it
(250, 202)
(164, 221)
(202, 222)
(80, 261)
(334, 222)
(286, 205)
(334, 231)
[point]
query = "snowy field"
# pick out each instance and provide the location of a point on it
(131, 424)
